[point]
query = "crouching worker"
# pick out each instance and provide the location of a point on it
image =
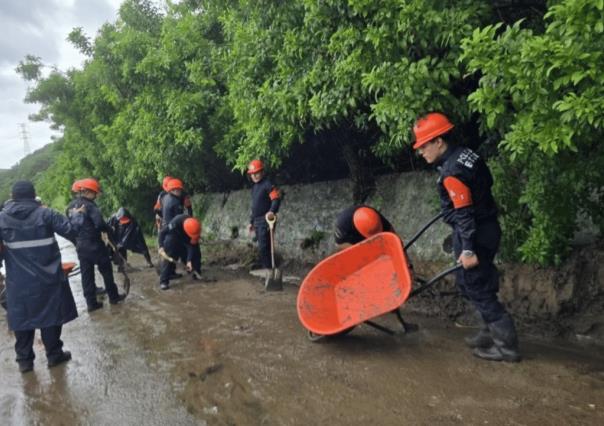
(91, 248)
(179, 239)
(468, 206)
(357, 223)
(128, 235)
(38, 293)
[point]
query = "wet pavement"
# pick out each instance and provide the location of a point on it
(108, 382)
(224, 352)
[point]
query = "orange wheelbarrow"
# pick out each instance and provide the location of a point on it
(360, 283)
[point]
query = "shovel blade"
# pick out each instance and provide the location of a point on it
(274, 280)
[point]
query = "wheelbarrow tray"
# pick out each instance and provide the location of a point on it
(352, 286)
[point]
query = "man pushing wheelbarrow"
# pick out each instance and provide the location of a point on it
(373, 277)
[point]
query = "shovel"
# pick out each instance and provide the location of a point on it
(167, 257)
(274, 281)
(122, 263)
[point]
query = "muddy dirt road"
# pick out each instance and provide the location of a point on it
(224, 352)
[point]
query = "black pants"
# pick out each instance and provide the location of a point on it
(480, 285)
(103, 262)
(264, 241)
(178, 250)
(51, 337)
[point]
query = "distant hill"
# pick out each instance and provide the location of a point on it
(31, 168)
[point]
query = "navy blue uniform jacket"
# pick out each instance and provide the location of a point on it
(89, 242)
(468, 168)
(265, 198)
(38, 292)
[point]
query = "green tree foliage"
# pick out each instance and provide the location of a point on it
(205, 86)
(355, 73)
(33, 168)
(543, 96)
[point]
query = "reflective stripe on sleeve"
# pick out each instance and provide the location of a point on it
(29, 244)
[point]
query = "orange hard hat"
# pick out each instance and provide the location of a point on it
(75, 187)
(174, 184)
(429, 127)
(164, 183)
(367, 221)
(255, 166)
(192, 228)
(90, 184)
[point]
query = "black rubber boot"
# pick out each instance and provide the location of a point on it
(505, 342)
(26, 365)
(482, 339)
(94, 306)
(118, 299)
(59, 359)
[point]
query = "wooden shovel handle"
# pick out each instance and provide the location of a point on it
(271, 222)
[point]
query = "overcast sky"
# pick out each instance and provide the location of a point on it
(40, 28)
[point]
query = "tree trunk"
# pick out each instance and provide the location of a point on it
(362, 178)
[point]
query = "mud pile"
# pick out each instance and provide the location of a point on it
(565, 302)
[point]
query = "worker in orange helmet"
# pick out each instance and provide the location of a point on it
(468, 206)
(90, 246)
(266, 199)
(180, 202)
(358, 223)
(179, 239)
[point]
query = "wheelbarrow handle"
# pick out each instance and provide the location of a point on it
(422, 230)
(436, 278)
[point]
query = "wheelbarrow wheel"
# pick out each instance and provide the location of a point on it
(314, 337)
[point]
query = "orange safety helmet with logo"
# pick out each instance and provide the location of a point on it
(367, 221)
(90, 184)
(429, 127)
(255, 166)
(174, 184)
(192, 228)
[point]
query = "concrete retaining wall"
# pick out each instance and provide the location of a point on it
(573, 295)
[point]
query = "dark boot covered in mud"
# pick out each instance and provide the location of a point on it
(482, 339)
(505, 342)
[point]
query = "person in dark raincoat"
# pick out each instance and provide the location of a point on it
(128, 235)
(37, 290)
(91, 248)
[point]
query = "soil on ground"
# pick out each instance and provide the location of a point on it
(222, 351)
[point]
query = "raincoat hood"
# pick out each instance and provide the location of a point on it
(20, 209)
